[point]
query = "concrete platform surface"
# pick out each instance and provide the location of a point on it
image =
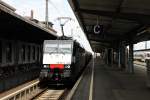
(111, 83)
(82, 91)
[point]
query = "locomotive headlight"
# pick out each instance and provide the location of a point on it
(67, 66)
(46, 66)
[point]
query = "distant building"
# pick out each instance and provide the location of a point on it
(29, 18)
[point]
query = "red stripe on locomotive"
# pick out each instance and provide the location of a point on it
(59, 66)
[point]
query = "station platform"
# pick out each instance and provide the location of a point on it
(111, 83)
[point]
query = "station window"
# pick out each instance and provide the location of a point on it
(23, 52)
(0, 52)
(37, 53)
(33, 52)
(28, 53)
(8, 52)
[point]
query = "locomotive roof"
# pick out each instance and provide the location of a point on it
(64, 41)
(58, 40)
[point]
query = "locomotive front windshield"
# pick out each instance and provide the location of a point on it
(58, 48)
(57, 52)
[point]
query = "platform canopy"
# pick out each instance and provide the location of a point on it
(14, 26)
(109, 22)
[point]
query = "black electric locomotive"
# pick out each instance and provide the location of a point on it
(63, 61)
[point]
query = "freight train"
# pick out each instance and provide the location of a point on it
(63, 61)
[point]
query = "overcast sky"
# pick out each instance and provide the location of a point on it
(57, 8)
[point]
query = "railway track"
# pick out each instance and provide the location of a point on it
(49, 94)
(31, 91)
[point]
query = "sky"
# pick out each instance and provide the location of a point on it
(57, 8)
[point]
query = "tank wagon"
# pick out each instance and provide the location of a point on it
(63, 61)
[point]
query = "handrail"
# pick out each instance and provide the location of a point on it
(22, 93)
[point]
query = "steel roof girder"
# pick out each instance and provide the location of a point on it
(140, 18)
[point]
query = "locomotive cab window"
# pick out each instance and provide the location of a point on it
(57, 52)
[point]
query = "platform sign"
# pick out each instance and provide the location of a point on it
(98, 29)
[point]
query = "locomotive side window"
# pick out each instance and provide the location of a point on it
(8, 52)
